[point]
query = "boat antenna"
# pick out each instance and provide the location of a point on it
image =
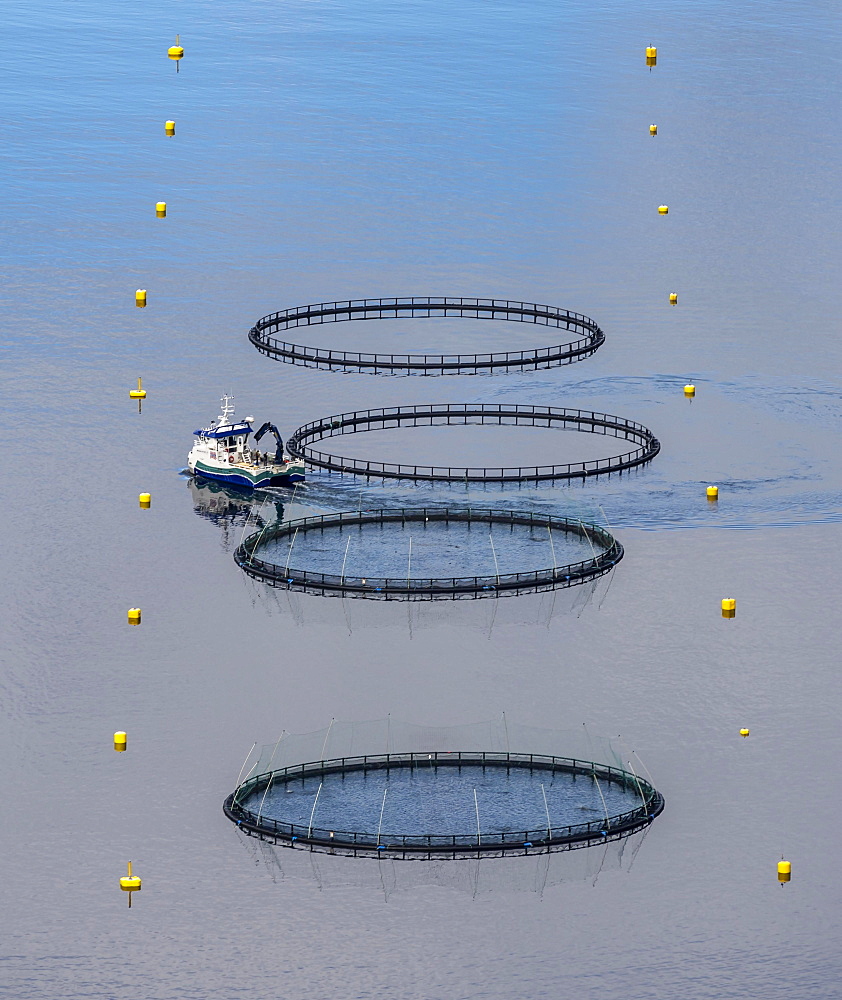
(227, 407)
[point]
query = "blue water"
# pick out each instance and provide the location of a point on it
(428, 550)
(440, 801)
(339, 149)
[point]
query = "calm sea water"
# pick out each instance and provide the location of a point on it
(363, 148)
(440, 801)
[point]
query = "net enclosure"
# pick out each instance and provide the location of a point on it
(384, 789)
(529, 871)
(278, 568)
(302, 443)
(587, 336)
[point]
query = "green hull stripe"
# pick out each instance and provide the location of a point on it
(259, 478)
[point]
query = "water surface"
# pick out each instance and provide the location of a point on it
(346, 149)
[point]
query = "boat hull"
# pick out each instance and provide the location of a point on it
(245, 479)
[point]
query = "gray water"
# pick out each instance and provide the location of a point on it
(366, 148)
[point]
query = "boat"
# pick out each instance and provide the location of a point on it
(222, 452)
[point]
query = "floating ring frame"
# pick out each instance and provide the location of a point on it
(607, 552)
(300, 445)
(589, 337)
(380, 842)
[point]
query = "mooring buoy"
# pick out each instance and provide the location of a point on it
(130, 883)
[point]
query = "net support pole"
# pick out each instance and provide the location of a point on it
(313, 810)
(327, 736)
(552, 549)
(344, 558)
(241, 783)
(604, 806)
(252, 509)
(271, 775)
(585, 532)
(257, 544)
(240, 775)
(547, 810)
(494, 553)
(637, 780)
(605, 516)
(382, 807)
(263, 800)
(476, 807)
(634, 753)
(289, 554)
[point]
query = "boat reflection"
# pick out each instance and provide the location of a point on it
(230, 508)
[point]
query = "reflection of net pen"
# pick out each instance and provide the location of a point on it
(603, 559)
(588, 335)
(301, 444)
(445, 843)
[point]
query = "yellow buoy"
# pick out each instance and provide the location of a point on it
(689, 390)
(729, 607)
(139, 392)
(712, 492)
(784, 871)
(673, 298)
(651, 52)
(130, 883)
(169, 128)
(161, 209)
(140, 298)
(134, 616)
(653, 130)
(120, 741)
(145, 500)
(176, 51)
(745, 732)
(663, 209)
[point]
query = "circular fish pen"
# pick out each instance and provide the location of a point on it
(439, 803)
(604, 552)
(301, 443)
(588, 336)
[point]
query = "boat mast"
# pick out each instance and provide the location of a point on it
(227, 407)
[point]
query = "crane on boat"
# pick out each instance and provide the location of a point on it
(272, 429)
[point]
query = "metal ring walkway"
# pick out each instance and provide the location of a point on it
(301, 444)
(604, 558)
(588, 336)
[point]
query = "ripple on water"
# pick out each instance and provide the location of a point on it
(768, 443)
